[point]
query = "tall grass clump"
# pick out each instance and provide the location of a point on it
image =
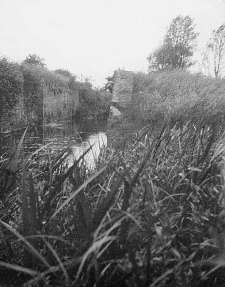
(151, 214)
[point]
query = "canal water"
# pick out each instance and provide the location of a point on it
(78, 136)
(96, 141)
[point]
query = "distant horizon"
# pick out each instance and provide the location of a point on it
(91, 39)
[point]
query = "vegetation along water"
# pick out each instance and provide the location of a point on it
(118, 186)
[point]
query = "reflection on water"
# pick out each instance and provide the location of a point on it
(96, 141)
(60, 135)
(79, 137)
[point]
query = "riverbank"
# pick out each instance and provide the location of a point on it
(146, 216)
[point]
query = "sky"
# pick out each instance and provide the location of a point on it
(92, 38)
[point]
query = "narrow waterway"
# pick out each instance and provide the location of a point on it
(78, 136)
(96, 141)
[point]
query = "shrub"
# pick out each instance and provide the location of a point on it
(178, 96)
(94, 104)
(49, 96)
(11, 86)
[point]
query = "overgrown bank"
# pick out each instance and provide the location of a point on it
(151, 214)
(169, 96)
(30, 93)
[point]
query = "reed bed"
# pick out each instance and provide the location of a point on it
(150, 214)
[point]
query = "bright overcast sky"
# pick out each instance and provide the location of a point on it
(95, 37)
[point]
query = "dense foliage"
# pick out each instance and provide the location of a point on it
(32, 84)
(35, 60)
(11, 86)
(177, 96)
(94, 104)
(147, 216)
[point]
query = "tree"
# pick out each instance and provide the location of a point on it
(64, 73)
(177, 48)
(34, 59)
(108, 87)
(72, 79)
(214, 56)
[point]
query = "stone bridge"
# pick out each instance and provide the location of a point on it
(122, 90)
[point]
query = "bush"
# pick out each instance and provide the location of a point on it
(178, 96)
(46, 93)
(94, 104)
(11, 86)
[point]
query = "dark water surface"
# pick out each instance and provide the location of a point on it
(79, 136)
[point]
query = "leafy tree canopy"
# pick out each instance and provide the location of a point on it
(177, 48)
(64, 73)
(34, 59)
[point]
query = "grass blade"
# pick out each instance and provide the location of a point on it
(18, 268)
(74, 194)
(25, 241)
(58, 260)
